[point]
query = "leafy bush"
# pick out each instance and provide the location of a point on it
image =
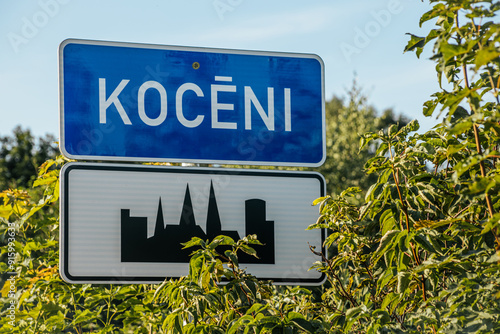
(21, 155)
(420, 253)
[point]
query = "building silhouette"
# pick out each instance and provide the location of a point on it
(256, 223)
(166, 243)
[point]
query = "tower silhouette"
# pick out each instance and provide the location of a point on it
(256, 223)
(133, 237)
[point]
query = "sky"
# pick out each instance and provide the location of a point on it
(355, 38)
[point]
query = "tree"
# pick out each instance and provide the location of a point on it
(345, 124)
(419, 254)
(21, 155)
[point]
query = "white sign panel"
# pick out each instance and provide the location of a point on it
(125, 223)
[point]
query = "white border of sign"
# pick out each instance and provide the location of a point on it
(89, 215)
(195, 49)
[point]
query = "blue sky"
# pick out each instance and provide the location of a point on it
(366, 37)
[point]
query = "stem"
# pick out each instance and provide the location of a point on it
(476, 132)
(483, 169)
(107, 311)
(490, 77)
(344, 292)
(332, 307)
(395, 174)
(244, 292)
(423, 288)
(36, 321)
(74, 307)
(455, 216)
(405, 210)
(366, 267)
(234, 308)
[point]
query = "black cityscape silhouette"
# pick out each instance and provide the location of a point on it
(165, 244)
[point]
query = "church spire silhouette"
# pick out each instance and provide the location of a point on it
(166, 243)
(160, 224)
(214, 226)
(187, 214)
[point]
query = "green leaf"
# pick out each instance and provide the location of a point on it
(44, 180)
(45, 166)
(243, 321)
(491, 224)
(461, 127)
(195, 241)
(84, 316)
(386, 242)
(249, 250)
(220, 240)
(415, 43)
(302, 324)
(403, 282)
(452, 149)
(387, 221)
(450, 51)
(319, 200)
(256, 308)
(6, 211)
(422, 242)
(485, 55)
(366, 139)
(385, 278)
(232, 257)
(429, 107)
(453, 100)
(434, 12)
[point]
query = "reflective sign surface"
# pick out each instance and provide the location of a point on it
(125, 223)
(138, 102)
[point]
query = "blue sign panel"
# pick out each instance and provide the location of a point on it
(137, 102)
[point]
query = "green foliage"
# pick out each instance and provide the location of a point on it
(345, 123)
(217, 296)
(21, 155)
(420, 253)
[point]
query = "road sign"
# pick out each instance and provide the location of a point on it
(138, 102)
(124, 223)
